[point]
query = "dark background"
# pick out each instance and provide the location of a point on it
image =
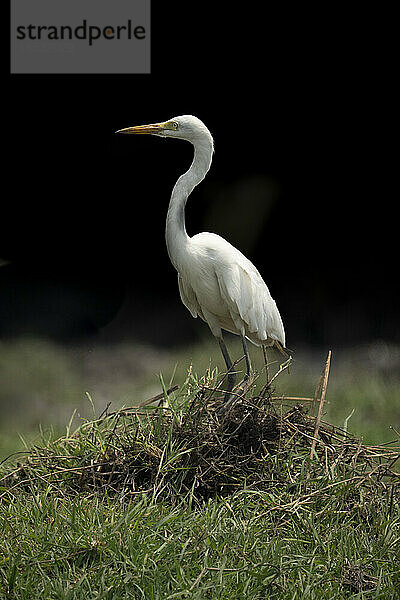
(301, 102)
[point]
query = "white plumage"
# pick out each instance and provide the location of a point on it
(216, 281)
(220, 285)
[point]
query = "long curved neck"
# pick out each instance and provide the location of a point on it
(175, 231)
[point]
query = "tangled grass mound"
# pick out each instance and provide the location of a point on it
(190, 443)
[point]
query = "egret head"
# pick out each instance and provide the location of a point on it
(185, 127)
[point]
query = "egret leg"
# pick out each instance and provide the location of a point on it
(247, 358)
(264, 348)
(229, 365)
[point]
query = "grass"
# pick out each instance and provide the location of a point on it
(181, 501)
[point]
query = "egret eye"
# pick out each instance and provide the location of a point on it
(174, 125)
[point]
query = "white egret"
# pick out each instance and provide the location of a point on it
(216, 281)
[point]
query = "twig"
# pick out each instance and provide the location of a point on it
(282, 367)
(296, 398)
(198, 579)
(105, 411)
(304, 498)
(50, 475)
(158, 397)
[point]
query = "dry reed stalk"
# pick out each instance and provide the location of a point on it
(321, 402)
(316, 394)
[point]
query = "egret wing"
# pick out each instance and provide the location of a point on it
(188, 297)
(248, 297)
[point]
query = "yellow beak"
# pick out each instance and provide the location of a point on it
(153, 128)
